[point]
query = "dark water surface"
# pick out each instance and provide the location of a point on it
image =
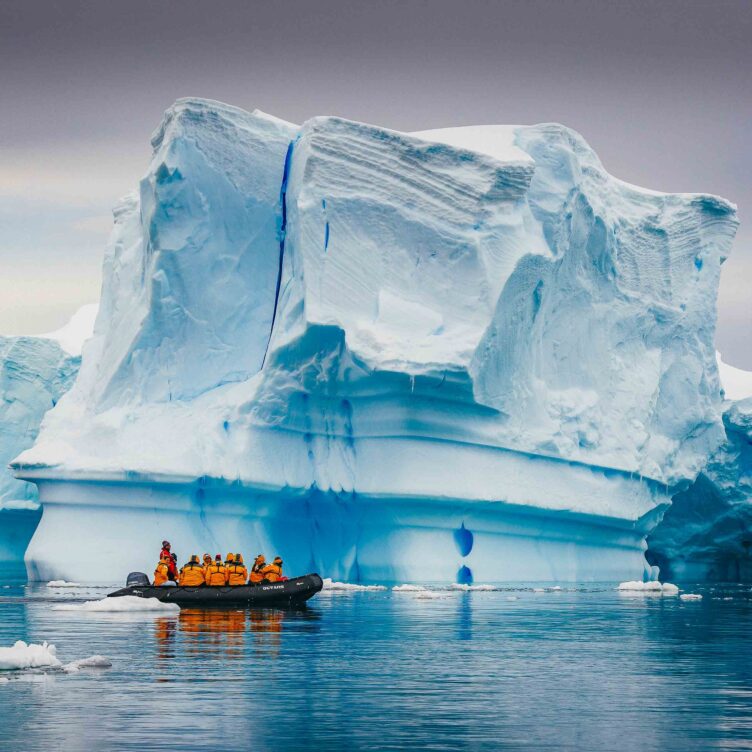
(579, 669)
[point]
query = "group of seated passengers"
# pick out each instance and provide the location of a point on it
(215, 573)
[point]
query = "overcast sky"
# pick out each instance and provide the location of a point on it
(662, 90)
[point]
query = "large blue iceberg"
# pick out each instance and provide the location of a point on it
(454, 355)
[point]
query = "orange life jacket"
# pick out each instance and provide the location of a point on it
(271, 572)
(161, 573)
(258, 565)
(236, 574)
(191, 575)
(216, 574)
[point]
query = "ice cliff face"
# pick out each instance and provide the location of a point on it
(455, 354)
(707, 532)
(34, 374)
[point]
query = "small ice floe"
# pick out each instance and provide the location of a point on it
(348, 587)
(512, 598)
(121, 604)
(22, 656)
(553, 589)
(429, 595)
(691, 597)
(93, 661)
(32, 656)
(409, 589)
(458, 586)
(538, 590)
(63, 583)
(648, 588)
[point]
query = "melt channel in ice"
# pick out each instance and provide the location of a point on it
(454, 356)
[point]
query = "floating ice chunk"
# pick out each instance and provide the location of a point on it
(430, 595)
(408, 589)
(63, 583)
(459, 586)
(32, 655)
(649, 588)
(512, 598)
(637, 585)
(553, 589)
(691, 597)
(122, 604)
(93, 661)
(348, 587)
(538, 590)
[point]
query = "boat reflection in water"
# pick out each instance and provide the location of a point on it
(222, 632)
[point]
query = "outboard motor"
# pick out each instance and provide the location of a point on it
(137, 579)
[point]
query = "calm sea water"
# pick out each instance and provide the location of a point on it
(577, 669)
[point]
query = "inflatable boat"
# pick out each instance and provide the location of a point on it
(293, 592)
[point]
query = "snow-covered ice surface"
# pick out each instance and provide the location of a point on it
(707, 532)
(467, 356)
(72, 336)
(121, 604)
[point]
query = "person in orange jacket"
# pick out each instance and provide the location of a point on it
(162, 572)
(236, 571)
(256, 576)
(273, 572)
(216, 574)
(207, 562)
(192, 574)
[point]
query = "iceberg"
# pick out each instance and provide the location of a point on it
(34, 374)
(452, 356)
(706, 535)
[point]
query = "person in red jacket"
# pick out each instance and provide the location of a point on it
(172, 566)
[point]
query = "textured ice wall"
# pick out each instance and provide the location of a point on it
(707, 532)
(34, 374)
(355, 344)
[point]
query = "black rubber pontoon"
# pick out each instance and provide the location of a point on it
(293, 592)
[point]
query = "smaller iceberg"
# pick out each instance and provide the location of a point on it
(35, 372)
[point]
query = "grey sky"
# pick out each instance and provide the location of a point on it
(662, 90)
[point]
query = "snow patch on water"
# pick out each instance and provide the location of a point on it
(121, 604)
